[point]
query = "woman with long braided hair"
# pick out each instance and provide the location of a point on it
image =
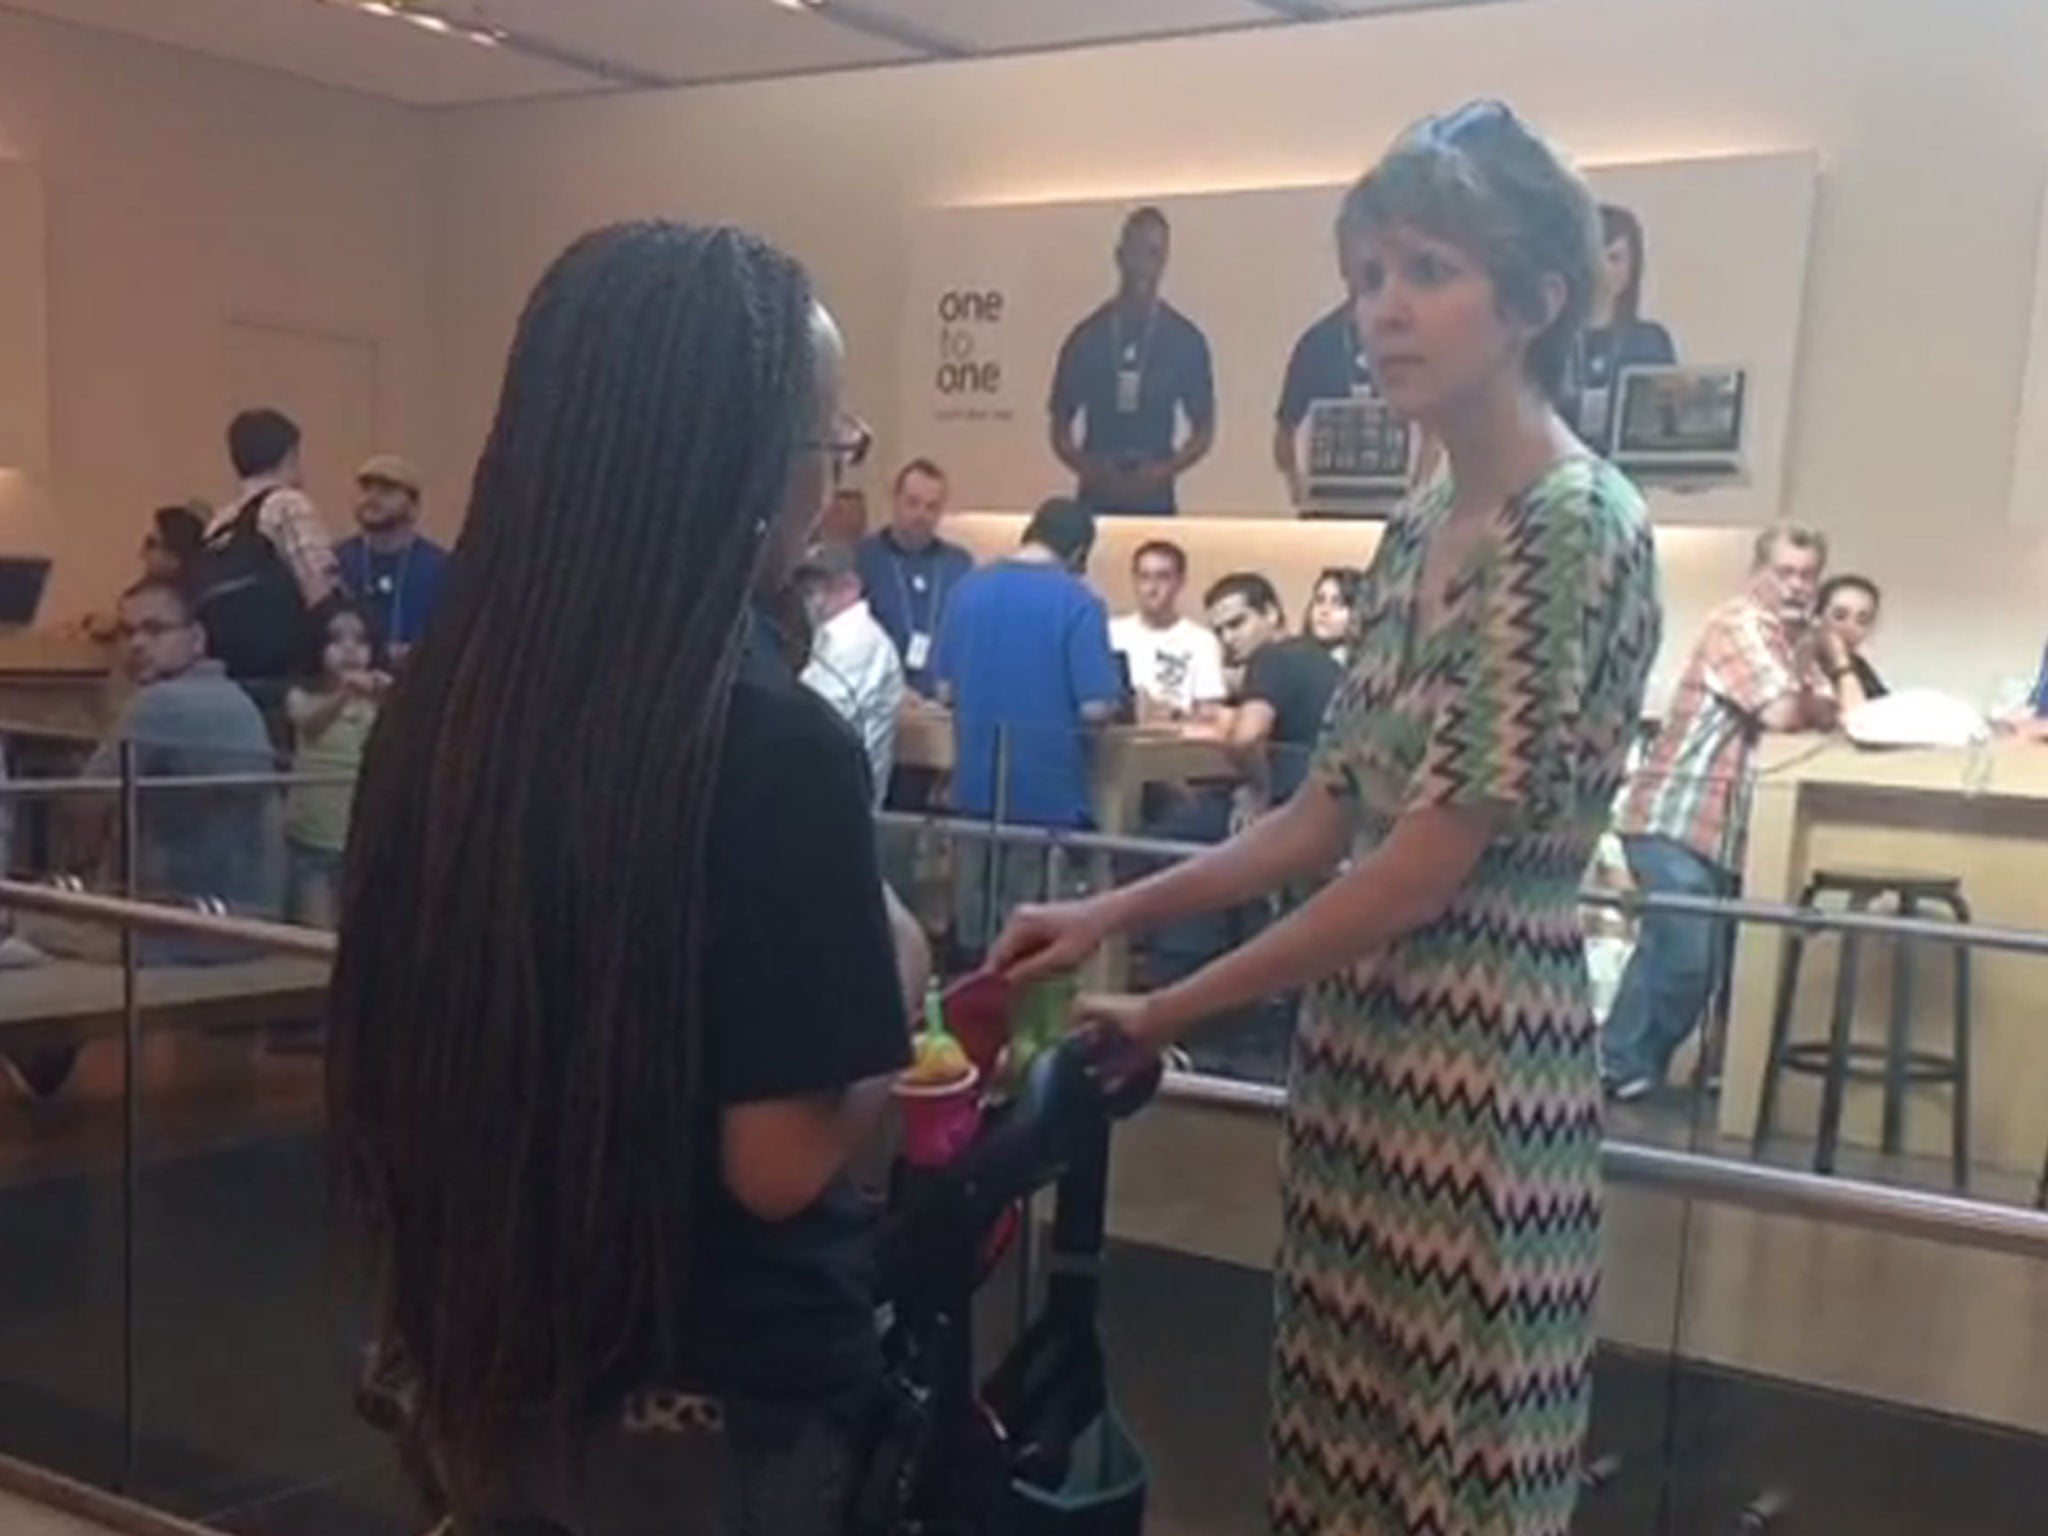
(616, 999)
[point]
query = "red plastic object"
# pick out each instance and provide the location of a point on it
(977, 1010)
(1002, 1237)
(938, 1123)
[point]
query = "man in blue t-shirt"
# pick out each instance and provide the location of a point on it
(1024, 660)
(1128, 373)
(1025, 651)
(391, 566)
(2032, 718)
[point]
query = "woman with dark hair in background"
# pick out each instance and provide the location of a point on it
(616, 1000)
(1441, 1194)
(1333, 609)
(1849, 606)
(1617, 337)
(171, 549)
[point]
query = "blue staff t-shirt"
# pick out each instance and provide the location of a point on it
(1169, 355)
(1593, 378)
(1024, 647)
(402, 590)
(1328, 363)
(907, 592)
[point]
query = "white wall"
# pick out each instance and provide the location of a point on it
(181, 193)
(1928, 115)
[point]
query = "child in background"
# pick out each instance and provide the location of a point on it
(330, 726)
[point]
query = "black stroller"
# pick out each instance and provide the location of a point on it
(1035, 1449)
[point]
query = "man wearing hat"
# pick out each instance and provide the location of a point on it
(391, 566)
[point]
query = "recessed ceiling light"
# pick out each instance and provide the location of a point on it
(426, 19)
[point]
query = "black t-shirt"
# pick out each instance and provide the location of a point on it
(801, 996)
(1328, 363)
(1296, 677)
(1169, 356)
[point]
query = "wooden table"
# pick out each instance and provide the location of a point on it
(1126, 759)
(1979, 814)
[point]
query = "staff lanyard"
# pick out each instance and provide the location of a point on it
(934, 600)
(1610, 354)
(1361, 360)
(1144, 349)
(397, 625)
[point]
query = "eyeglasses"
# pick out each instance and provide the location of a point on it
(151, 629)
(848, 446)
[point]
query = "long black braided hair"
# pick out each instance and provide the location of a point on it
(516, 1049)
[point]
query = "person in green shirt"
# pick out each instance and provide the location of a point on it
(331, 721)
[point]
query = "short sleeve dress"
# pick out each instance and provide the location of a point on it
(1441, 1195)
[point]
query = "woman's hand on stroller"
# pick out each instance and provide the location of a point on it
(1115, 1031)
(1042, 940)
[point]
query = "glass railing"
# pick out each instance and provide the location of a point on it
(1865, 1350)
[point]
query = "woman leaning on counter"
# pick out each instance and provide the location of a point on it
(1441, 1197)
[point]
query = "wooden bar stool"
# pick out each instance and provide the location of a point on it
(1839, 1059)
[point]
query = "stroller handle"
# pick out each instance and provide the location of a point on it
(1062, 1111)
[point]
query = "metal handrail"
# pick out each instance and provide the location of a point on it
(1749, 1186)
(52, 789)
(87, 906)
(1807, 920)
(1902, 1212)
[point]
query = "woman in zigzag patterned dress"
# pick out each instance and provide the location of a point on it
(1441, 1196)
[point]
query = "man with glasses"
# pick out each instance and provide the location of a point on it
(219, 846)
(1763, 663)
(909, 573)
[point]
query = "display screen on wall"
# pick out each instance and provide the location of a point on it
(1008, 332)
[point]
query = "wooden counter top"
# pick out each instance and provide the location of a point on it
(1127, 757)
(2003, 768)
(55, 651)
(58, 681)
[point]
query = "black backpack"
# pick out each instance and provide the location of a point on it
(256, 621)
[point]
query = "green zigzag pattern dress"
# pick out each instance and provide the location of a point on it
(1441, 1196)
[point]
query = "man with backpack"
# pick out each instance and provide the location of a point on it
(268, 568)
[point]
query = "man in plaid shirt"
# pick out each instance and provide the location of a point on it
(1762, 664)
(264, 446)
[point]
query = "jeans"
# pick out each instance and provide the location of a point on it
(1670, 978)
(1179, 949)
(313, 899)
(672, 1466)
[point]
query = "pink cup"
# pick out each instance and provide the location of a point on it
(939, 1121)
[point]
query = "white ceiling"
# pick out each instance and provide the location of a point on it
(556, 46)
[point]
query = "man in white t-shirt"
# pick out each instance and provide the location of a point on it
(1176, 664)
(854, 666)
